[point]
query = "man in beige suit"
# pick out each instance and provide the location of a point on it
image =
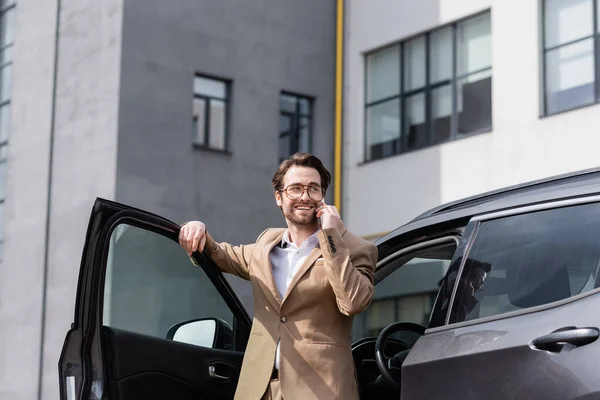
(308, 281)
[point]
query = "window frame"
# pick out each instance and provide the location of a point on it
(294, 132)
(407, 252)
(474, 225)
(427, 90)
(207, 100)
(595, 36)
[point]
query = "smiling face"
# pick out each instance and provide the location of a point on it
(300, 212)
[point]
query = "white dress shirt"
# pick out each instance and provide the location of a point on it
(286, 259)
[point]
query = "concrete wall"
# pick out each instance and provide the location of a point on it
(83, 167)
(21, 272)
(84, 154)
(521, 147)
(263, 48)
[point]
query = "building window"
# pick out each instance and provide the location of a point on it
(570, 46)
(430, 89)
(210, 113)
(295, 124)
(7, 29)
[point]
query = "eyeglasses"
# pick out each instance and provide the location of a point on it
(294, 192)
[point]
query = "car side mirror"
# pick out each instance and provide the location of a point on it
(206, 332)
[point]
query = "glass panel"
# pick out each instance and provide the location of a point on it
(6, 55)
(570, 76)
(529, 260)
(285, 147)
(414, 64)
(7, 23)
(288, 103)
(2, 223)
(3, 168)
(8, 3)
(210, 87)
(416, 128)
(6, 84)
(567, 20)
(381, 314)
(383, 129)
(474, 50)
(474, 103)
(383, 74)
(199, 114)
(285, 123)
(304, 132)
(440, 55)
(138, 298)
(4, 122)
(216, 136)
(406, 292)
(441, 113)
(304, 106)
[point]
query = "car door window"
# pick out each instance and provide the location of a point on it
(152, 285)
(529, 260)
(406, 291)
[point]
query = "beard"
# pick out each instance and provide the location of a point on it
(292, 215)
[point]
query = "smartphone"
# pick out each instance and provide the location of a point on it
(321, 217)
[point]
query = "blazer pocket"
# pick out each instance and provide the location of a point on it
(322, 339)
(332, 344)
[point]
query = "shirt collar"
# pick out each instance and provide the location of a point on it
(312, 240)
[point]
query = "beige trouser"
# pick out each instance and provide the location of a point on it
(273, 391)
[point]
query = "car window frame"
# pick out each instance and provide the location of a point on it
(84, 351)
(241, 321)
(474, 225)
(411, 250)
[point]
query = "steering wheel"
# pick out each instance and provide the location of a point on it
(390, 367)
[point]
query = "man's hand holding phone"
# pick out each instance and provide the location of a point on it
(328, 215)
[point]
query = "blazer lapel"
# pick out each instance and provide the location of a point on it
(266, 268)
(308, 262)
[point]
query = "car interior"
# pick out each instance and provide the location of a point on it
(379, 359)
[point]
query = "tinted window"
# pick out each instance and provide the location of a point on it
(529, 260)
(151, 285)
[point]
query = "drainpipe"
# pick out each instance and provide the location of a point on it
(339, 81)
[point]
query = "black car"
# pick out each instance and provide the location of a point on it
(515, 315)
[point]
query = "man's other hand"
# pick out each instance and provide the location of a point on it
(192, 236)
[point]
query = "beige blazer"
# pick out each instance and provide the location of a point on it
(314, 319)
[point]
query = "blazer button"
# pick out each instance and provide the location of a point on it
(283, 319)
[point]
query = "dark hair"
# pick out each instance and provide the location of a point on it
(301, 160)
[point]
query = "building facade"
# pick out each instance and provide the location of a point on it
(449, 98)
(181, 108)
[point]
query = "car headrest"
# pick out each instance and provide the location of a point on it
(530, 287)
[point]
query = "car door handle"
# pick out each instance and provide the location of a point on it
(212, 372)
(571, 335)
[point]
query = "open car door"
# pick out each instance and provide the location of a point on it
(149, 324)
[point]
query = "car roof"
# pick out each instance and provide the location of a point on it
(574, 184)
